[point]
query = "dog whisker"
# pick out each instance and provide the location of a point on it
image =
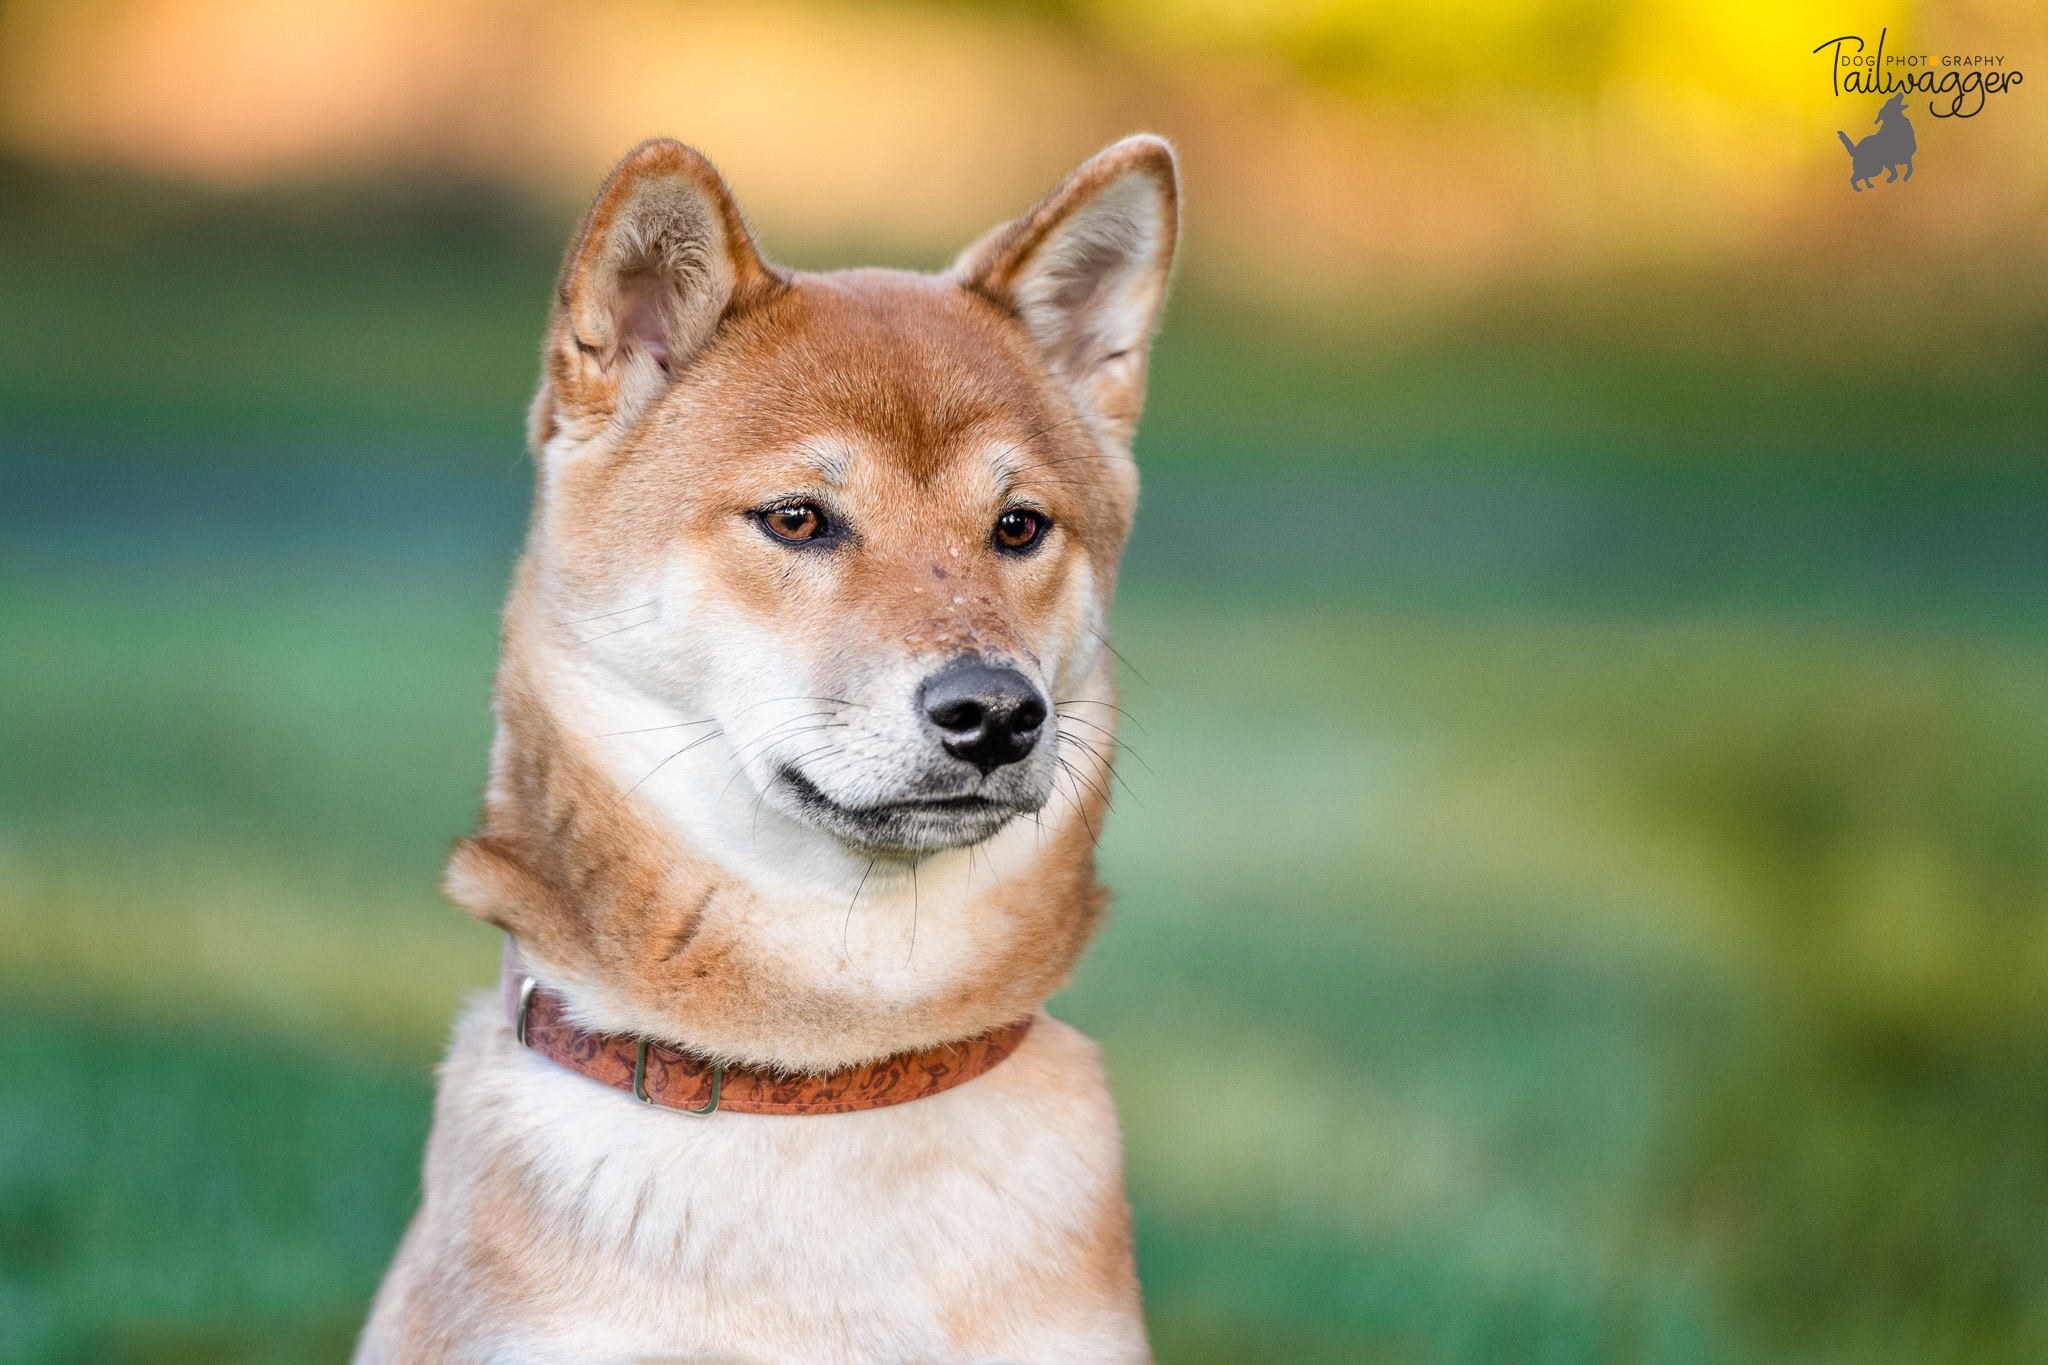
(1107, 766)
(1093, 785)
(787, 730)
(1123, 745)
(1107, 456)
(619, 630)
(762, 741)
(1080, 808)
(652, 728)
(1106, 644)
(663, 764)
(802, 759)
(846, 929)
(1090, 701)
(1042, 431)
(777, 730)
(913, 916)
(604, 615)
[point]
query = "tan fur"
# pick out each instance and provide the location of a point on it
(666, 665)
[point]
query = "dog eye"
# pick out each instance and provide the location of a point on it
(1019, 528)
(794, 521)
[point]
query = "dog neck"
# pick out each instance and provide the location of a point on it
(646, 885)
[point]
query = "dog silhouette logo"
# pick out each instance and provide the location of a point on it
(1887, 149)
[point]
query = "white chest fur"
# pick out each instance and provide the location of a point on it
(985, 1223)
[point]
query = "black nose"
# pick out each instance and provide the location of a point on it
(987, 716)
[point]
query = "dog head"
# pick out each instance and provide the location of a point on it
(854, 534)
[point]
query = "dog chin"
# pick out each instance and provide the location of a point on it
(909, 828)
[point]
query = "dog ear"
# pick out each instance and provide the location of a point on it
(1086, 272)
(662, 256)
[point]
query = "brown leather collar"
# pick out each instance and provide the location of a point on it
(658, 1074)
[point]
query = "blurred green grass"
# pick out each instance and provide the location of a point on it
(1616, 967)
(169, 1194)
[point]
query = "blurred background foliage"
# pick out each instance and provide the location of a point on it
(1589, 627)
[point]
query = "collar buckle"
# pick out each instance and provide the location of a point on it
(640, 1083)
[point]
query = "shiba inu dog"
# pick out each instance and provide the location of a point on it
(805, 715)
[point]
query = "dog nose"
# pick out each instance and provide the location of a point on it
(988, 716)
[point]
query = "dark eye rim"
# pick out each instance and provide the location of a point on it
(830, 530)
(1040, 518)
